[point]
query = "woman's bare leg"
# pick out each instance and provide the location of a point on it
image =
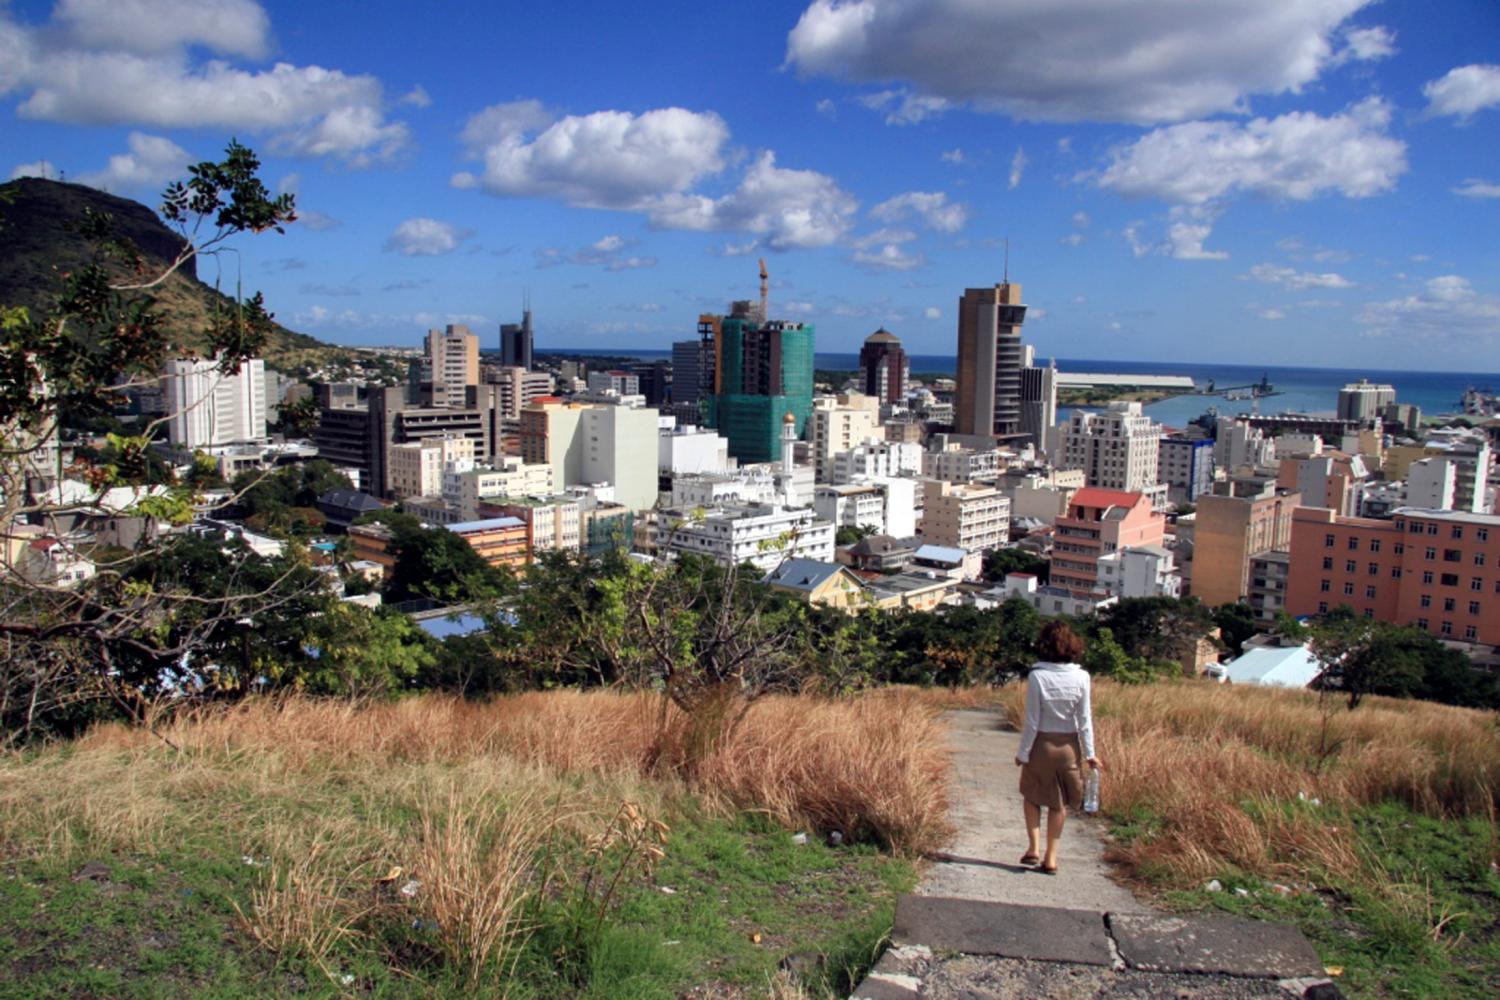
(1033, 829)
(1055, 819)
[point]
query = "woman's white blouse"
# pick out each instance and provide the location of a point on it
(1057, 701)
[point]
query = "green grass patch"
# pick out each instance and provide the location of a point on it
(729, 901)
(1423, 921)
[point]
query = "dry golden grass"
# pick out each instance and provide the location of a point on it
(1220, 765)
(324, 797)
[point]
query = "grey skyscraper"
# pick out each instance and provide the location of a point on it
(988, 400)
(515, 341)
(1038, 402)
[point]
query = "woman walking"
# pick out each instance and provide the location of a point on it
(1057, 738)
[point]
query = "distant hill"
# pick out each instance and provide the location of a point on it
(39, 244)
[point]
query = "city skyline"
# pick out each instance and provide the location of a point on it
(1311, 182)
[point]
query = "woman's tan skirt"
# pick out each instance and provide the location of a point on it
(1053, 777)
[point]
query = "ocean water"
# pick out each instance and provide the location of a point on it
(1301, 390)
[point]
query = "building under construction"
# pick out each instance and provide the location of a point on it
(763, 371)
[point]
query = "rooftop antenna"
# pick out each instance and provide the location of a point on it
(765, 292)
(1007, 260)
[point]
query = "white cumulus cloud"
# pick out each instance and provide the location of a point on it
(607, 159)
(1473, 187)
(1463, 92)
(1017, 168)
(932, 312)
(1295, 156)
(1447, 307)
(1290, 277)
(424, 237)
(38, 168)
(151, 162)
(139, 62)
(1148, 61)
(932, 207)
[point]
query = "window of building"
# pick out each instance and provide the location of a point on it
(1348, 590)
(1430, 554)
(1473, 607)
(1370, 593)
(1350, 566)
(1427, 576)
(1421, 623)
(1327, 541)
(1479, 559)
(1328, 562)
(1426, 601)
(1353, 543)
(1323, 586)
(1458, 531)
(1477, 583)
(1447, 604)
(1414, 528)
(1322, 607)
(1449, 579)
(1400, 548)
(1471, 633)
(1432, 528)
(1374, 569)
(1369, 612)
(1395, 572)
(1374, 545)
(1446, 628)
(1483, 534)
(1452, 555)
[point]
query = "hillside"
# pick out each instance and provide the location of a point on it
(40, 244)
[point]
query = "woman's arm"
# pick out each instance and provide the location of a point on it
(1033, 718)
(1085, 719)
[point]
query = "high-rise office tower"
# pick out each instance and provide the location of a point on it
(765, 371)
(1038, 402)
(453, 354)
(207, 408)
(884, 367)
(515, 341)
(988, 399)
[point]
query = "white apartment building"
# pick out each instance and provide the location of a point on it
(1143, 571)
(514, 387)
(688, 450)
(621, 383)
(1432, 483)
(589, 443)
(1117, 448)
(957, 464)
(903, 504)
(969, 517)
(464, 486)
(877, 458)
(208, 409)
(1237, 445)
(749, 485)
(1470, 452)
(453, 355)
(1364, 400)
(838, 424)
(852, 506)
(417, 467)
(760, 534)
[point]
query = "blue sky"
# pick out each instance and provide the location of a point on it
(1263, 181)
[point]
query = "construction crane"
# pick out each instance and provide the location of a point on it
(765, 292)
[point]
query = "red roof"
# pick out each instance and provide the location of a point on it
(1093, 496)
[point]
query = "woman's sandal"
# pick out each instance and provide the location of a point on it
(1047, 870)
(1031, 859)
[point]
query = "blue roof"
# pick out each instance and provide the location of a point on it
(486, 524)
(1273, 666)
(940, 553)
(803, 574)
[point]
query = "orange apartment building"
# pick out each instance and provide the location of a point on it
(500, 541)
(1232, 529)
(1436, 569)
(373, 542)
(1099, 522)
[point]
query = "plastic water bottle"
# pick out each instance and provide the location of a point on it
(1091, 793)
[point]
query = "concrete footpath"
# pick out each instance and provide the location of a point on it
(982, 926)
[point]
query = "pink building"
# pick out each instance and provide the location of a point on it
(1098, 523)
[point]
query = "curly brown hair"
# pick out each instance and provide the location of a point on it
(1059, 643)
